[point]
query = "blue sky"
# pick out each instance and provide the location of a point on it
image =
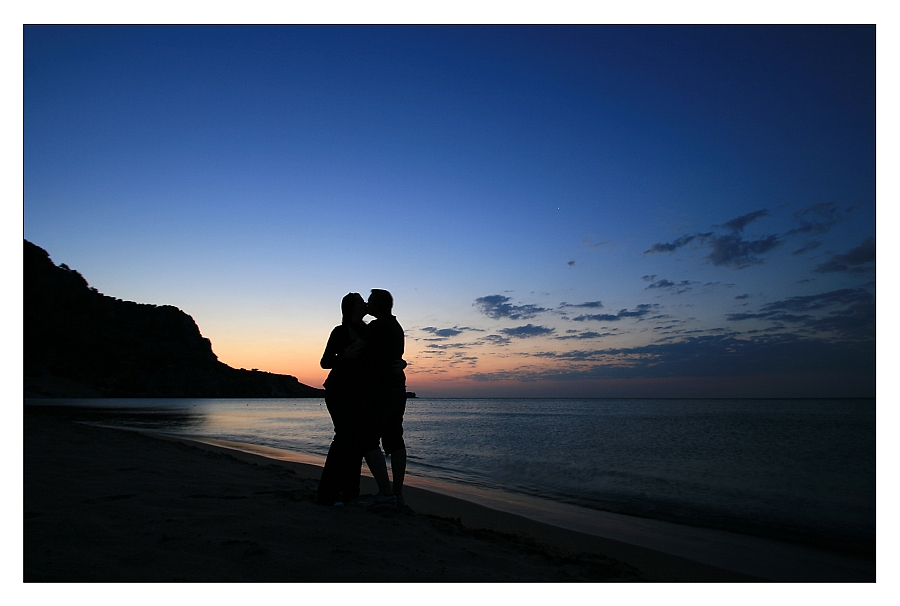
(577, 211)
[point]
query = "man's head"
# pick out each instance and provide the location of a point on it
(380, 303)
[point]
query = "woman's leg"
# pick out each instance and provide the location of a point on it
(330, 481)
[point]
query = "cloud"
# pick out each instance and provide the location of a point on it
(449, 345)
(494, 340)
(856, 260)
(737, 225)
(444, 333)
(661, 284)
(664, 247)
(844, 296)
(501, 375)
(577, 355)
(588, 304)
(527, 331)
(597, 318)
(729, 250)
(641, 310)
(497, 306)
(737, 253)
(724, 355)
(680, 287)
(715, 284)
(807, 246)
(742, 297)
(589, 243)
(587, 334)
(460, 358)
(848, 312)
(817, 219)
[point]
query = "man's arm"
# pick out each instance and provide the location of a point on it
(355, 349)
(398, 366)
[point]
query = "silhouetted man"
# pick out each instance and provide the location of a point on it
(385, 344)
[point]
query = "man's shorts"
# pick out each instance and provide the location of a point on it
(383, 422)
(391, 408)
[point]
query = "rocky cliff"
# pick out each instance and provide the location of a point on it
(81, 343)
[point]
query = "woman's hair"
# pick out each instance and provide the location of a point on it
(349, 302)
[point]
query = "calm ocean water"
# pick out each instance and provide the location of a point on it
(801, 470)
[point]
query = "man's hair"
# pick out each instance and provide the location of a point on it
(349, 301)
(382, 299)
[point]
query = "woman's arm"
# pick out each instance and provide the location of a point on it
(333, 356)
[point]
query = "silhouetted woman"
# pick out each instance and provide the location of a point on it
(344, 397)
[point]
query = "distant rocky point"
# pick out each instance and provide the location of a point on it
(82, 343)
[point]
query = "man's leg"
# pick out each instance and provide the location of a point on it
(394, 444)
(369, 435)
(398, 469)
(375, 461)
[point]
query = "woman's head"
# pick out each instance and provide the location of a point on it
(353, 306)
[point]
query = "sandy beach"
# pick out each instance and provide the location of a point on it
(106, 505)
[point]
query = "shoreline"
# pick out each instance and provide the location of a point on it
(759, 557)
(90, 491)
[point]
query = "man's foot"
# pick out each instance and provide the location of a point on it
(402, 507)
(380, 502)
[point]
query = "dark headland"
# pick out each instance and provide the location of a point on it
(79, 342)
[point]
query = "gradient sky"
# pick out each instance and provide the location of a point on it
(571, 211)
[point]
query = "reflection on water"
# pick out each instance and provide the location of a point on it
(291, 424)
(155, 415)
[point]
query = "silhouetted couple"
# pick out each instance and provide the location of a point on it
(365, 393)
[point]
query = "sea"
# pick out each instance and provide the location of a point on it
(797, 470)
